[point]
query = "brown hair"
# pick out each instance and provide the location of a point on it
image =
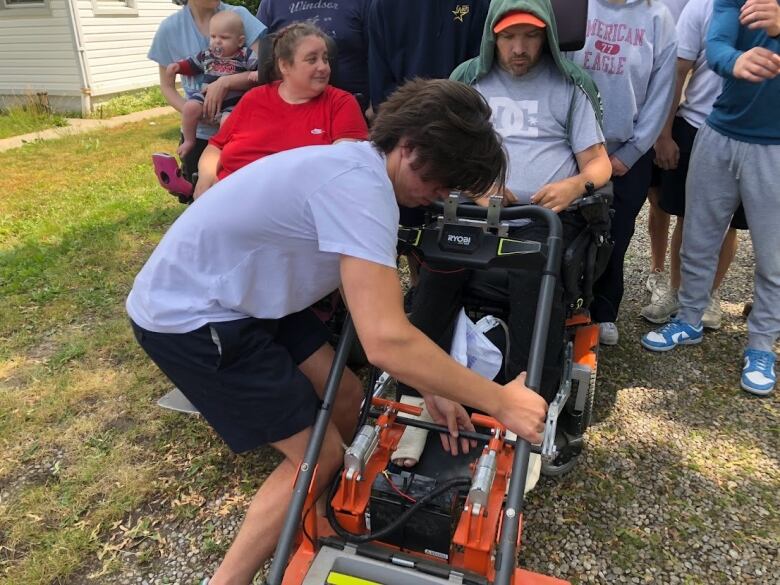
(287, 39)
(448, 124)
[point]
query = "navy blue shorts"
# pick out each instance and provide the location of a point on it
(243, 375)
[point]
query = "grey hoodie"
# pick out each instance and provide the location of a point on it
(631, 52)
(474, 69)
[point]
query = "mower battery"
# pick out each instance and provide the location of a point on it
(430, 529)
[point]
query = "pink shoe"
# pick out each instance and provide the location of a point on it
(169, 175)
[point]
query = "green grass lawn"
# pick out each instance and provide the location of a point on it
(17, 121)
(128, 103)
(82, 442)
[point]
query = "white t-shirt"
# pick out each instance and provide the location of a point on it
(530, 112)
(675, 7)
(266, 241)
(704, 85)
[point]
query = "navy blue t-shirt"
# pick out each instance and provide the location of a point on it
(342, 20)
(415, 38)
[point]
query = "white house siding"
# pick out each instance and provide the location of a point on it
(116, 45)
(37, 53)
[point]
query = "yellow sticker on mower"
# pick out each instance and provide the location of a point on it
(335, 578)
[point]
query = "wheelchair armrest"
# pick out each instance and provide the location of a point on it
(594, 207)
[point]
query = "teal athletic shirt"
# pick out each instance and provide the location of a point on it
(745, 111)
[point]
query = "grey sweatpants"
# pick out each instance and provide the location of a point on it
(723, 172)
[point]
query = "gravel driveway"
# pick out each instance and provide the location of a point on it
(679, 482)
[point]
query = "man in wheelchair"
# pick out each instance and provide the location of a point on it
(547, 110)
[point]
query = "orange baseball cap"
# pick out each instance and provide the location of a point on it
(518, 17)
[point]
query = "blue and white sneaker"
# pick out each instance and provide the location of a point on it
(758, 373)
(674, 333)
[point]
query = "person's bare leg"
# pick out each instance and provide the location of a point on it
(190, 115)
(728, 252)
(257, 537)
(658, 228)
(674, 254)
(347, 405)
(256, 540)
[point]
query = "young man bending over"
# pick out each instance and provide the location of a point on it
(221, 305)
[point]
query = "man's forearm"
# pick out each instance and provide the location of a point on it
(596, 171)
(416, 361)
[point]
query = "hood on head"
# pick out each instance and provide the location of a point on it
(471, 71)
(542, 9)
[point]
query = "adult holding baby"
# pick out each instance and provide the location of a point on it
(183, 35)
(226, 55)
(297, 108)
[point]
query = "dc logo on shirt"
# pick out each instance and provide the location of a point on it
(515, 118)
(460, 11)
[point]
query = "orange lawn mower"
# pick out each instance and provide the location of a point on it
(451, 519)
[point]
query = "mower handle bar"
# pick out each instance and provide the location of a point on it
(505, 556)
(507, 546)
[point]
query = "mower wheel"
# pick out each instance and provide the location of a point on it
(569, 450)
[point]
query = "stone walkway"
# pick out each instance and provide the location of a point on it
(80, 126)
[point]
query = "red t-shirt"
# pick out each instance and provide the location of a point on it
(263, 123)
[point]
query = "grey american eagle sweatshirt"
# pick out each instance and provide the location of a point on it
(630, 52)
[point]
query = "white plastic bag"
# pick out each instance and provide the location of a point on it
(472, 348)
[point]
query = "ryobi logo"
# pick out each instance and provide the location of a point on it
(459, 240)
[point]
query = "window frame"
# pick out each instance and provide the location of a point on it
(26, 9)
(122, 8)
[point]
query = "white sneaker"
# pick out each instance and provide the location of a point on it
(608, 333)
(663, 304)
(714, 312)
(654, 278)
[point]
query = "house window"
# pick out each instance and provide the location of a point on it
(114, 7)
(24, 8)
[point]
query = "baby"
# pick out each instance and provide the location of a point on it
(226, 55)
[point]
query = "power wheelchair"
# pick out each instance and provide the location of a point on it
(451, 519)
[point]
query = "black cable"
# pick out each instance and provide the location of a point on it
(401, 520)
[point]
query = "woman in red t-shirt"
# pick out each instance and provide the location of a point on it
(299, 110)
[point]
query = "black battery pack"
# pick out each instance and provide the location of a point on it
(431, 528)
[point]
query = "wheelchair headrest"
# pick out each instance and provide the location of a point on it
(265, 59)
(571, 16)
